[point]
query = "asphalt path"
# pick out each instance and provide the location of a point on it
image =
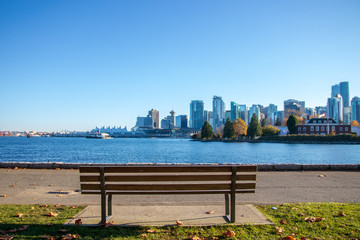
(36, 186)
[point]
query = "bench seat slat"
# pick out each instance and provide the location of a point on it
(158, 169)
(144, 178)
(167, 187)
(167, 192)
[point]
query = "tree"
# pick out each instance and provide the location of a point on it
(206, 131)
(263, 122)
(354, 123)
(228, 129)
(270, 131)
(254, 127)
(278, 122)
(291, 123)
(240, 127)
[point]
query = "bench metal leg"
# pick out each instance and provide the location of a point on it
(233, 205)
(227, 209)
(103, 209)
(109, 204)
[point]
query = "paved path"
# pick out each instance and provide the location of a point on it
(31, 186)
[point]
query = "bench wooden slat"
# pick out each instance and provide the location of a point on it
(158, 169)
(167, 192)
(154, 178)
(168, 187)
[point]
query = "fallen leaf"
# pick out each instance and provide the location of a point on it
(69, 236)
(279, 230)
(341, 214)
(60, 195)
(282, 221)
(210, 212)
(179, 223)
(229, 234)
(305, 238)
(32, 208)
(16, 168)
(57, 205)
(78, 221)
(6, 237)
(108, 224)
(50, 185)
(322, 175)
(57, 168)
(214, 238)
(51, 214)
(19, 215)
(150, 230)
(11, 185)
(4, 195)
(143, 235)
(74, 207)
(288, 238)
(195, 238)
(45, 205)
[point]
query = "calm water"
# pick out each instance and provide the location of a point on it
(142, 150)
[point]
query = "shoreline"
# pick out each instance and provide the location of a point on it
(261, 167)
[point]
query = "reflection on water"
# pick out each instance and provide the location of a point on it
(143, 150)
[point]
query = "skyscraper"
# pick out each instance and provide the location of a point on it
(155, 115)
(172, 119)
(355, 105)
(196, 114)
(335, 108)
(294, 105)
(218, 112)
(254, 109)
(234, 111)
(343, 89)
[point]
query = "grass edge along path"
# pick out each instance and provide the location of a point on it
(292, 221)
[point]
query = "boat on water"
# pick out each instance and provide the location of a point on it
(98, 135)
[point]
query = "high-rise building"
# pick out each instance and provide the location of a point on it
(145, 122)
(347, 115)
(227, 115)
(234, 111)
(172, 119)
(155, 115)
(355, 106)
(218, 112)
(271, 109)
(196, 114)
(254, 109)
(181, 121)
(320, 110)
(335, 108)
(166, 123)
(294, 105)
(343, 89)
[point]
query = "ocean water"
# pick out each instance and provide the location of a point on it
(147, 150)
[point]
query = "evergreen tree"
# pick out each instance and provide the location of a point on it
(206, 131)
(278, 122)
(291, 123)
(254, 128)
(263, 122)
(228, 129)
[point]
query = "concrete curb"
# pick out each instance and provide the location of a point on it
(261, 167)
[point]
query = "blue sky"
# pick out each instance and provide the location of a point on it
(79, 64)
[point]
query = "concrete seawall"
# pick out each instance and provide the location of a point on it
(261, 167)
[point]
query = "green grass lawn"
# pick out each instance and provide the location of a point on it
(291, 221)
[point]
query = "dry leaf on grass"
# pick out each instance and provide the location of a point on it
(6, 237)
(282, 221)
(51, 214)
(150, 230)
(69, 237)
(19, 215)
(288, 238)
(195, 238)
(341, 214)
(179, 223)
(143, 235)
(108, 224)
(78, 221)
(279, 230)
(305, 238)
(229, 234)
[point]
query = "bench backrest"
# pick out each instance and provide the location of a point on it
(193, 179)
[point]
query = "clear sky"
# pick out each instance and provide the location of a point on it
(79, 64)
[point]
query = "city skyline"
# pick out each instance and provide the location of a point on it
(61, 68)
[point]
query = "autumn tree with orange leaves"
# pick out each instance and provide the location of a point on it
(240, 127)
(355, 123)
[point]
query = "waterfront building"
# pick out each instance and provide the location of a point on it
(321, 110)
(172, 119)
(270, 113)
(181, 121)
(234, 111)
(196, 114)
(166, 123)
(347, 115)
(254, 109)
(242, 107)
(323, 126)
(279, 115)
(207, 115)
(355, 106)
(145, 122)
(227, 114)
(294, 105)
(343, 89)
(244, 115)
(155, 115)
(335, 108)
(110, 130)
(218, 112)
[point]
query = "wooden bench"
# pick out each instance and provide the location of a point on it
(189, 179)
